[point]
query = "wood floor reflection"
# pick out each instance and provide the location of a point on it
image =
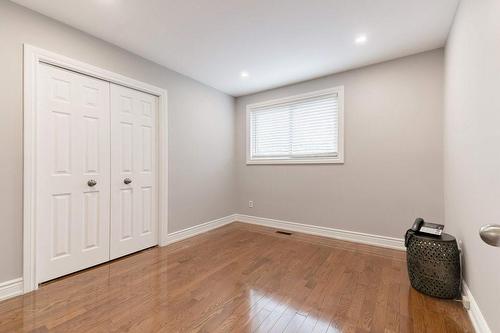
(239, 278)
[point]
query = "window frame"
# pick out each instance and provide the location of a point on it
(339, 159)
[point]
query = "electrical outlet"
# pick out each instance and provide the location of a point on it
(466, 302)
(250, 204)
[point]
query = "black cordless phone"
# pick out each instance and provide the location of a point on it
(417, 224)
(420, 226)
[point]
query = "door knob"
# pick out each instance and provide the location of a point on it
(92, 183)
(490, 234)
(127, 181)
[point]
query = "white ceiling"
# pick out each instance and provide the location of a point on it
(277, 42)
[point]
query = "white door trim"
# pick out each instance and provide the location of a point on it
(33, 56)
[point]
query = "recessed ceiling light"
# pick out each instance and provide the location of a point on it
(361, 39)
(244, 74)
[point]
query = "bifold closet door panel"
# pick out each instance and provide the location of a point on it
(133, 171)
(72, 172)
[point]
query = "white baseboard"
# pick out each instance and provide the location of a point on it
(199, 229)
(352, 236)
(11, 288)
(475, 315)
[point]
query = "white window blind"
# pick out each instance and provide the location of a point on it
(298, 128)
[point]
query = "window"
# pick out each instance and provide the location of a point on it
(300, 129)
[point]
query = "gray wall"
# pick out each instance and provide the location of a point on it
(393, 168)
(472, 145)
(201, 127)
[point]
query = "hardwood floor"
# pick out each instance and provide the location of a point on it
(239, 278)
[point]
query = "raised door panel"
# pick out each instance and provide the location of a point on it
(91, 220)
(126, 218)
(147, 200)
(147, 146)
(126, 147)
(72, 147)
(91, 149)
(133, 148)
(61, 142)
(60, 225)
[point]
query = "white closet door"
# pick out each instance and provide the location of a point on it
(73, 152)
(133, 171)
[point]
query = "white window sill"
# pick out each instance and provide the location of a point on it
(296, 161)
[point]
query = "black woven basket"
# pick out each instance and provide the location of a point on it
(434, 265)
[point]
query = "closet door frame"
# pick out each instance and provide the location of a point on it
(33, 57)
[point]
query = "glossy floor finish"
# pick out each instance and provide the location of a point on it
(239, 278)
